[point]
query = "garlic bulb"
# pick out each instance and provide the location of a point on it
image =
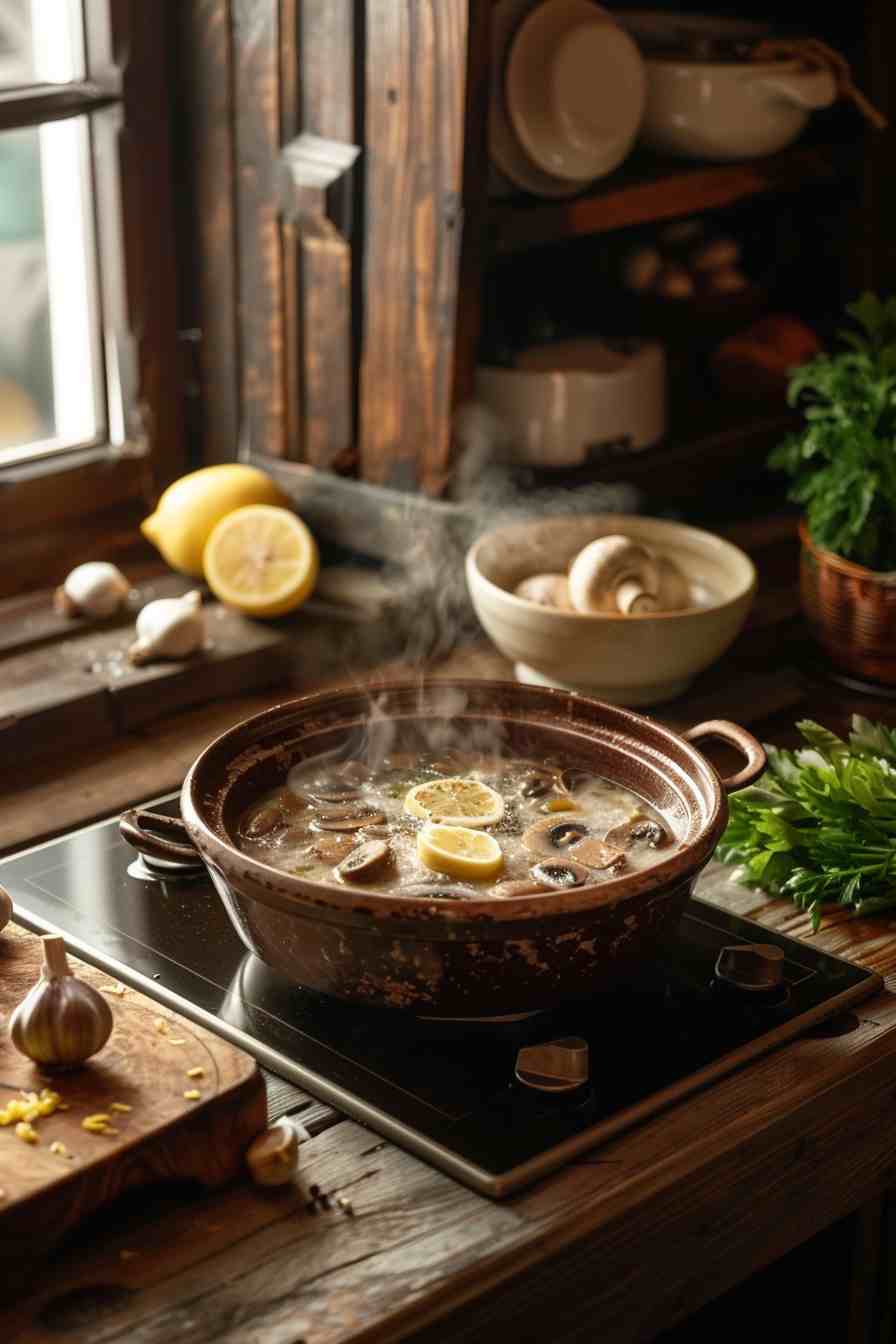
(61, 1021)
(93, 589)
(5, 907)
(170, 627)
(272, 1156)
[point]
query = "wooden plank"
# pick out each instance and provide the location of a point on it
(163, 1136)
(415, 58)
(206, 44)
(85, 690)
(672, 1213)
(318, 122)
(256, 106)
(646, 191)
(240, 654)
(32, 619)
(474, 244)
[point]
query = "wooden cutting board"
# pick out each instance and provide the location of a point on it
(144, 1065)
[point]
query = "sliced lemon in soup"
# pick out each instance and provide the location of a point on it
(459, 851)
(462, 802)
(261, 559)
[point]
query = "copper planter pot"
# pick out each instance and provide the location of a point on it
(851, 611)
(444, 958)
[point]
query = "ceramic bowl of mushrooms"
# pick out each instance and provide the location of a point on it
(623, 608)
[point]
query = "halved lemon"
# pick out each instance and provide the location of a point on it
(459, 851)
(261, 559)
(463, 802)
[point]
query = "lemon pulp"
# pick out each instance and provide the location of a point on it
(463, 802)
(261, 560)
(459, 851)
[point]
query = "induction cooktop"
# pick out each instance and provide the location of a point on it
(495, 1104)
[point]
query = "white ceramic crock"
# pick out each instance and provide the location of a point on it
(723, 109)
(566, 399)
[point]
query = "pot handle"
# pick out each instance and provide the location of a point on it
(809, 89)
(140, 829)
(735, 737)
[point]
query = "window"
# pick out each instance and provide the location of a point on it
(87, 321)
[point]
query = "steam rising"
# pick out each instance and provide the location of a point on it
(431, 616)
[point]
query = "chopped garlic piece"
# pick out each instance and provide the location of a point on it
(59, 1149)
(161, 1025)
(120, 1107)
(27, 1133)
(192, 1095)
(176, 1040)
(117, 988)
(196, 1072)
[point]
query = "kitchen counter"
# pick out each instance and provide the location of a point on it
(622, 1244)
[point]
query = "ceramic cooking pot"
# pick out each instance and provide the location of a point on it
(442, 957)
(721, 105)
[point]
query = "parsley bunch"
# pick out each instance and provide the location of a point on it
(843, 463)
(820, 827)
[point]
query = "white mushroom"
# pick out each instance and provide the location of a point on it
(548, 590)
(614, 574)
(171, 627)
(675, 591)
(93, 589)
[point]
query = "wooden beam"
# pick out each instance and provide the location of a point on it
(256, 86)
(206, 41)
(415, 62)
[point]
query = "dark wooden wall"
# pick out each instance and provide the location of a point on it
(324, 139)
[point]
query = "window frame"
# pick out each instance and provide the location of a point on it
(74, 496)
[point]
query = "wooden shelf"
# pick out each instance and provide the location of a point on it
(649, 188)
(686, 469)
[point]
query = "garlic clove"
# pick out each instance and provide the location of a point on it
(602, 566)
(62, 1021)
(96, 589)
(170, 627)
(548, 590)
(5, 907)
(272, 1156)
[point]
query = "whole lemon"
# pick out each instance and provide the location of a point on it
(190, 508)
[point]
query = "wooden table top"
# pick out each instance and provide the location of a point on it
(672, 1213)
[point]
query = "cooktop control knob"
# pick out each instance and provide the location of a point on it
(554, 1066)
(753, 967)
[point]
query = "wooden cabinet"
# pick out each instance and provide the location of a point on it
(347, 267)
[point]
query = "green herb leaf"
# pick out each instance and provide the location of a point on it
(821, 826)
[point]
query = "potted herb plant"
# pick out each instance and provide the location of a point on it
(843, 467)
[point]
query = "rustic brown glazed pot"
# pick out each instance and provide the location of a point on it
(442, 957)
(851, 611)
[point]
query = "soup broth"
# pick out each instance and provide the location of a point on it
(453, 826)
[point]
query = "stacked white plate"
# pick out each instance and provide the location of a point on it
(568, 93)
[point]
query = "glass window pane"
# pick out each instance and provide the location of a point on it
(41, 42)
(51, 383)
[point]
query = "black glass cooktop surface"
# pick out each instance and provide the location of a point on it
(447, 1090)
